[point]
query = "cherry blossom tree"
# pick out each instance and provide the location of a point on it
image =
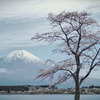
(79, 40)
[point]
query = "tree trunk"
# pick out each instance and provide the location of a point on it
(77, 82)
(77, 92)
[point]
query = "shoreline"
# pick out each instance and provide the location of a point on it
(45, 90)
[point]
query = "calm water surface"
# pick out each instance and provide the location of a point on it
(47, 97)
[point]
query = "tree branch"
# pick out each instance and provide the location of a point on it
(88, 47)
(91, 67)
(67, 39)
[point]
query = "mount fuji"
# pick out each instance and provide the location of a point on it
(20, 67)
(20, 58)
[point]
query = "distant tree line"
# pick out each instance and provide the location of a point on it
(45, 86)
(22, 88)
(45, 89)
(92, 86)
(7, 89)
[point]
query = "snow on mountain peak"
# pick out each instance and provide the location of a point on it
(22, 54)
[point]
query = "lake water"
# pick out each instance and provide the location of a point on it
(47, 97)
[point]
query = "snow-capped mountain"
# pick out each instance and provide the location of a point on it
(23, 55)
(19, 67)
(20, 58)
(21, 61)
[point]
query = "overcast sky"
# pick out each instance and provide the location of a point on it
(21, 19)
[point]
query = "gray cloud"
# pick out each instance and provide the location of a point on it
(21, 19)
(24, 8)
(18, 34)
(3, 70)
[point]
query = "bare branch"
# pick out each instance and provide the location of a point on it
(91, 67)
(62, 79)
(67, 40)
(88, 47)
